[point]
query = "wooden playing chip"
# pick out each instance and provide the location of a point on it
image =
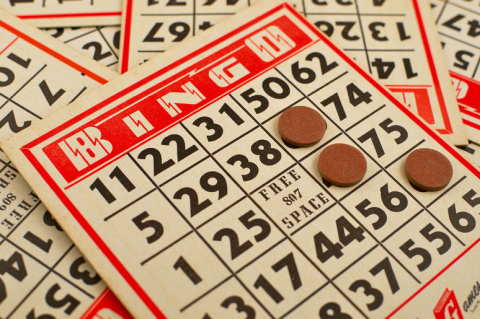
(342, 165)
(301, 126)
(428, 169)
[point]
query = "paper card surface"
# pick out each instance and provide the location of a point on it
(42, 274)
(100, 43)
(65, 13)
(174, 181)
(458, 23)
(472, 152)
(396, 41)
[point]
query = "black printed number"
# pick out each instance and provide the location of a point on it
(105, 192)
(142, 222)
(281, 91)
(217, 129)
(158, 164)
(355, 96)
(97, 50)
(86, 276)
(305, 75)
(180, 30)
(400, 204)
(332, 310)
(347, 233)
(220, 187)
(386, 267)
(286, 262)
(372, 135)
(240, 307)
(268, 156)
(249, 222)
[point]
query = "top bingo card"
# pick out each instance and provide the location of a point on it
(175, 183)
(458, 23)
(66, 13)
(396, 41)
(42, 274)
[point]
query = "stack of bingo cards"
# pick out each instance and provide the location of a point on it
(239, 159)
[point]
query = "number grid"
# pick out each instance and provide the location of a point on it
(18, 245)
(337, 202)
(447, 12)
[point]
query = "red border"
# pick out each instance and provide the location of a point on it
(127, 30)
(53, 53)
(104, 248)
(70, 15)
(433, 70)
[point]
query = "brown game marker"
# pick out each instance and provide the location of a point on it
(342, 165)
(428, 169)
(301, 126)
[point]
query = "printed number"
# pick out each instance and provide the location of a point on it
(332, 310)
(187, 270)
(116, 40)
(292, 197)
(229, 2)
(13, 2)
(268, 156)
(37, 241)
(463, 221)
(347, 233)
(142, 224)
(355, 96)
(372, 135)
(103, 190)
(267, 87)
(182, 153)
(241, 307)
(220, 186)
(288, 262)
(461, 62)
(368, 290)
(305, 75)
(85, 275)
(210, 125)
(426, 257)
(246, 219)
(473, 30)
(178, 29)
(60, 303)
(387, 200)
(97, 50)
(50, 221)
(15, 267)
(328, 28)
(340, 2)
(9, 199)
(58, 32)
(385, 69)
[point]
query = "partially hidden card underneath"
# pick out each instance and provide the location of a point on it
(396, 41)
(101, 43)
(42, 273)
(458, 23)
(66, 13)
(175, 183)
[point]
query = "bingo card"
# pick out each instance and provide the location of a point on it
(101, 43)
(458, 22)
(175, 183)
(42, 274)
(396, 41)
(66, 13)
